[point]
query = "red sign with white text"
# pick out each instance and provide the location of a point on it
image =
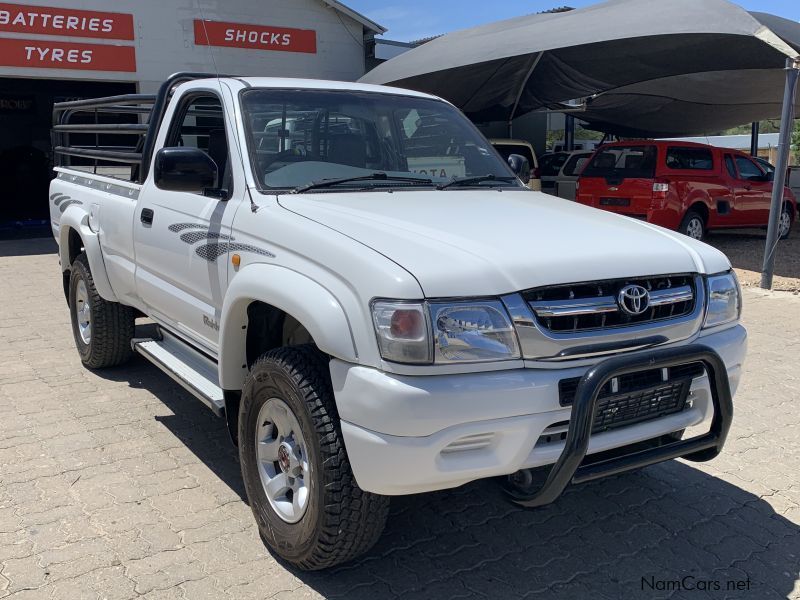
(66, 55)
(21, 18)
(255, 37)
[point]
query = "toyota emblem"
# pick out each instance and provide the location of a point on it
(633, 299)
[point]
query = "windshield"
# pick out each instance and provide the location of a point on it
(299, 137)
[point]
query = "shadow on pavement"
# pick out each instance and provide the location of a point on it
(745, 249)
(668, 531)
(192, 422)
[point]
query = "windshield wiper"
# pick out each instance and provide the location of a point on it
(374, 176)
(470, 180)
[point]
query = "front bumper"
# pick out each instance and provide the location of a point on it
(408, 435)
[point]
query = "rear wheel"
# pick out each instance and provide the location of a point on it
(785, 223)
(308, 507)
(693, 225)
(102, 330)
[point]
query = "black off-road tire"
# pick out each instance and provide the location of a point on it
(112, 326)
(690, 223)
(341, 520)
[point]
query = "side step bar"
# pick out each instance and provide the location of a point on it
(190, 368)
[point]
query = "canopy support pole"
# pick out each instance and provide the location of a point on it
(754, 130)
(569, 133)
(521, 89)
(781, 167)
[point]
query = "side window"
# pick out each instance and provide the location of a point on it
(551, 164)
(766, 165)
(201, 124)
(730, 167)
(748, 169)
(685, 157)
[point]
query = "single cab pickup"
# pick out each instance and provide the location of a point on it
(688, 187)
(353, 278)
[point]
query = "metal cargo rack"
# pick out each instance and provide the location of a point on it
(82, 140)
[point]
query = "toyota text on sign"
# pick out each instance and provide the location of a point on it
(255, 37)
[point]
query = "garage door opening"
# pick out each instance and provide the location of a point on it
(26, 157)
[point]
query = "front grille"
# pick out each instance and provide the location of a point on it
(588, 306)
(637, 397)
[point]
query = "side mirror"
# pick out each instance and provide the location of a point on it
(182, 169)
(521, 167)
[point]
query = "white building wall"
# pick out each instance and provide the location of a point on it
(164, 40)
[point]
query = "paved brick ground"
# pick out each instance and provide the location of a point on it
(118, 485)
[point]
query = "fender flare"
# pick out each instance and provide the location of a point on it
(77, 219)
(304, 299)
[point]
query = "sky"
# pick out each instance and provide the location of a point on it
(414, 19)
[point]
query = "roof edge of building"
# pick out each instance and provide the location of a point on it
(356, 16)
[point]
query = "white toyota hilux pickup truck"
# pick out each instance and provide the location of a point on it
(354, 279)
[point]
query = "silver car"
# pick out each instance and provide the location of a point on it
(565, 184)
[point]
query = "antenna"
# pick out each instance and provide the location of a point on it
(231, 118)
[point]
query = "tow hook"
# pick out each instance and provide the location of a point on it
(521, 479)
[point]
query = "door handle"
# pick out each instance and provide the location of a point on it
(748, 187)
(147, 216)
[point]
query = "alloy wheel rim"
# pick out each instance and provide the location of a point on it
(695, 229)
(83, 312)
(785, 223)
(282, 457)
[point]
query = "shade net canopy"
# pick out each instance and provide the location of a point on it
(638, 67)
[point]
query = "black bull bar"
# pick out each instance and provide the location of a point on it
(568, 469)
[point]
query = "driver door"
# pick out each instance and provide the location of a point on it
(181, 238)
(755, 189)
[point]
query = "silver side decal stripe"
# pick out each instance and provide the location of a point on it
(62, 202)
(212, 250)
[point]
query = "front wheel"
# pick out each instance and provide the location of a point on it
(693, 226)
(308, 507)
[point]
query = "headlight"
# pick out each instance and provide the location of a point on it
(473, 331)
(444, 332)
(403, 331)
(724, 302)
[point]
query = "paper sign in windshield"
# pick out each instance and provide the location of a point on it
(445, 167)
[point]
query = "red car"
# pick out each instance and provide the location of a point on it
(683, 186)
